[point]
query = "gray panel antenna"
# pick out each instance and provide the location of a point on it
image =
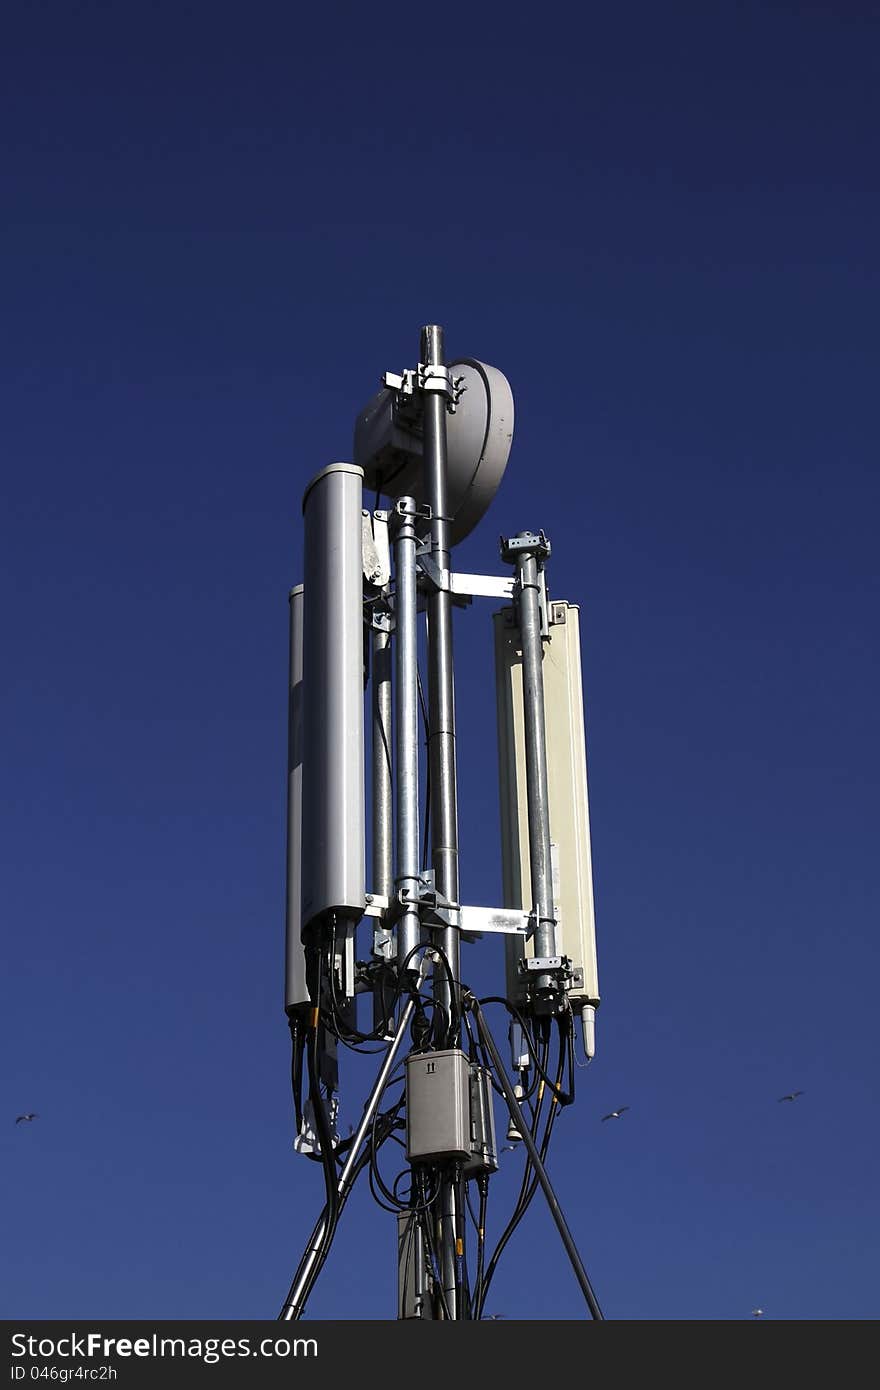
(333, 841)
(569, 816)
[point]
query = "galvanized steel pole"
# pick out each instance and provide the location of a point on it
(441, 690)
(382, 819)
(383, 843)
(406, 724)
(537, 796)
(441, 753)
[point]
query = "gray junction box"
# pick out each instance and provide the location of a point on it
(449, 1111)
(438, 1106)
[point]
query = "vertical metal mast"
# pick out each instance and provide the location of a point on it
(441, 691)
(382, 817)
(381, 692)
(441, 749)
(407, 726)
(538, 800)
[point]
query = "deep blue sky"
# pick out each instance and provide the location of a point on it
(220, 224)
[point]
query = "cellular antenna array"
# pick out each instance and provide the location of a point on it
(434, 444)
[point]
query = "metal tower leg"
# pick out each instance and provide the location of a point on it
(295, 1301)
(540, 1171)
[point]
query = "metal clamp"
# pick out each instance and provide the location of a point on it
(400, 513)
(427, 377)
(536, 544)
(421, 511)
(436, 577)
(434, 378)
(532, 970)
(379, 619)
(435, 910)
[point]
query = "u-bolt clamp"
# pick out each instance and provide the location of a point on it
(426, 377)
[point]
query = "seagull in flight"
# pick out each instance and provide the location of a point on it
(32, 1115)
(757, 1312)
(615, 1114)
(792, 1095)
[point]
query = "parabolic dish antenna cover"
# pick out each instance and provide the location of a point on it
(388, 445)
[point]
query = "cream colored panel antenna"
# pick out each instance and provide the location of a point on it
(567, 788)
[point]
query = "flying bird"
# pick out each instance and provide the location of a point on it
(615, 1114)
(30, 1116)
(509, 1149)
(757, 1312)
(792, 1095)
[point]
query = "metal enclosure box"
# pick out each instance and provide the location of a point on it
(333, 843)
(438, 1106)
(295, 988)
(412, 1300)
(484, 1150)
(567, 790)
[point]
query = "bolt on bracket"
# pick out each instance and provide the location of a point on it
(424, 378)
(534, 542)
